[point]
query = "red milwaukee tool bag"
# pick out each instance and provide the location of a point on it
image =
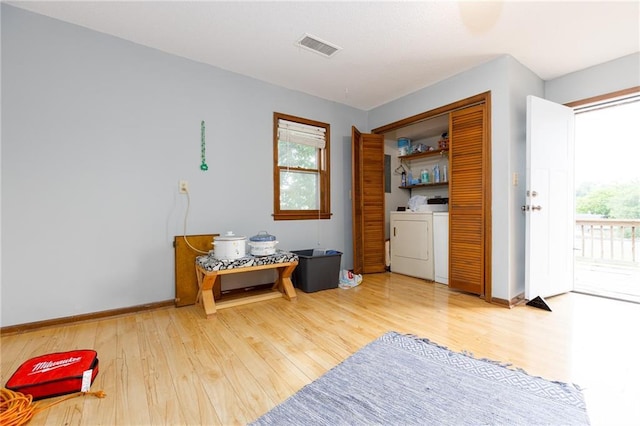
(56, 374)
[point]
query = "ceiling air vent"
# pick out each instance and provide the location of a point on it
(314, 44)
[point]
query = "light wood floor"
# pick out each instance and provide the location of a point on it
(172, 366)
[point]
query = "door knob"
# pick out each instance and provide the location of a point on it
(536, 207)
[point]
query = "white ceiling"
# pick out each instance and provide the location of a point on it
(389, 49)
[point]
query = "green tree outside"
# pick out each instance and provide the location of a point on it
(613, 201)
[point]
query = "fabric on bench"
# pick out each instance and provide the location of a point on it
(210, 263)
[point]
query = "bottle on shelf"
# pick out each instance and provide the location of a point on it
(436, 174)
(424, 176)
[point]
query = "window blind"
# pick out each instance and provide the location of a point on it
(303, 134)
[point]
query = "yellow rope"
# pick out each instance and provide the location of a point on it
(17, 408)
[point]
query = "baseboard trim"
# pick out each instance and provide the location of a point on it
(519, 299)
(21, 328)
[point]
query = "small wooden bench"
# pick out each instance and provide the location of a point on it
(209, 270)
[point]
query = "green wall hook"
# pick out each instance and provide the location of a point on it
(203, 166)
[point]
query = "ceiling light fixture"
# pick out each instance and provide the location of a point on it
(317, 45)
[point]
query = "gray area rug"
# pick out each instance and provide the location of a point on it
(402, 380)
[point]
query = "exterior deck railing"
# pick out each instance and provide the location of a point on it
(608, 239)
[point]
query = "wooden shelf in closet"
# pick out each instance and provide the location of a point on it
(424, 185)
(424, 154)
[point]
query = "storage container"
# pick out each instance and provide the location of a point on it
(404, 146)
(317, 271)
(262, 244)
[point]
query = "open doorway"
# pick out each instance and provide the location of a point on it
(607, 182)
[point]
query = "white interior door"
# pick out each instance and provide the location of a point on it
(549, 199)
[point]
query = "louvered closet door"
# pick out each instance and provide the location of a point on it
(467, 199)
(368, 202)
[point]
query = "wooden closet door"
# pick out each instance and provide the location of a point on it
(367, 193)
(467, 190)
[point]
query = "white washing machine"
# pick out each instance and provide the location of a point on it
(412, 244)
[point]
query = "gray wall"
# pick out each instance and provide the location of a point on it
(522, 82)
(96, 134)
(619, 74)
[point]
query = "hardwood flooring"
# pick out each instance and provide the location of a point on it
(173, 366)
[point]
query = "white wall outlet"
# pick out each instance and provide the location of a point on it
(183, 186)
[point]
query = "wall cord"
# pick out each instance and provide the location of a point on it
(184, 231)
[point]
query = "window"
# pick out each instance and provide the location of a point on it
(300, 168)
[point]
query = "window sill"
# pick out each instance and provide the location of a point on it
(298, 215)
